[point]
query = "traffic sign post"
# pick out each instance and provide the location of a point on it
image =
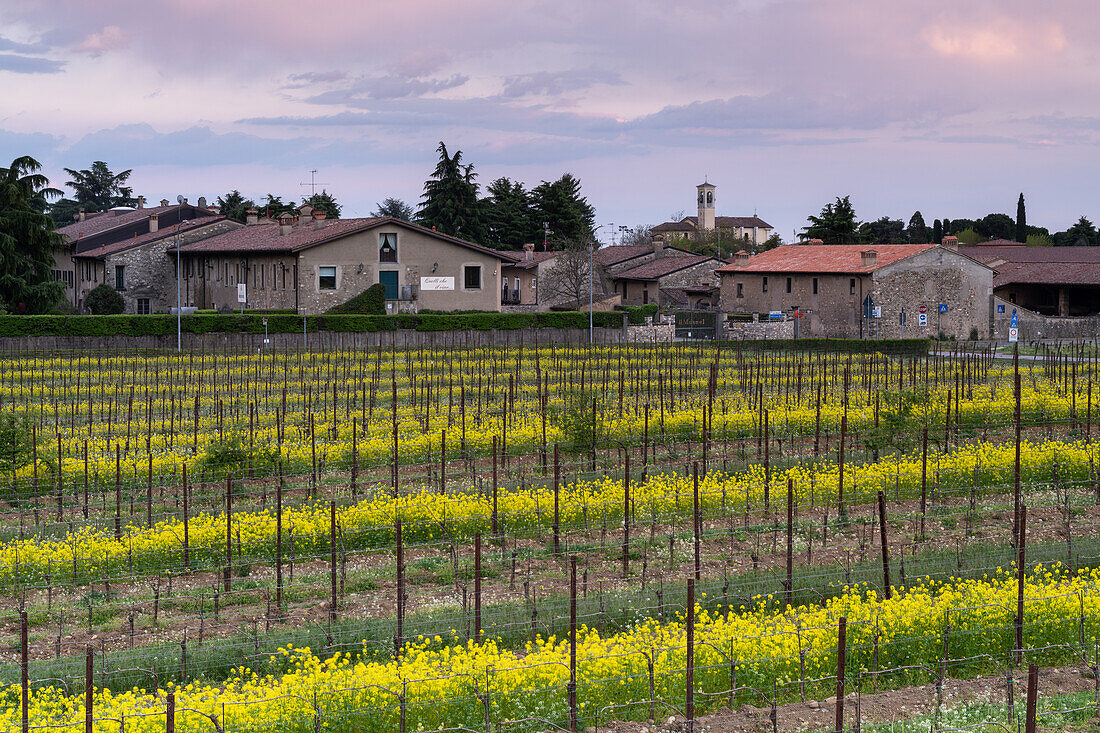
(942, 310)
(1013, 334)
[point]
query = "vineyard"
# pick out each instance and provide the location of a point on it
(550, 538)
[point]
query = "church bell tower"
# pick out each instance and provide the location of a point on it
(706, 206)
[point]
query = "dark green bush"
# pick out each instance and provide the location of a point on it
(104, 301)
(638, 313)
(370, 302)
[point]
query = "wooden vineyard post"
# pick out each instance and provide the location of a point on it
(332, 559)
(689, 675)
(885, 551)
(626, 518)
(88, 698)
(1021, 559)
(443, 463)
(495, 526)
(1016, 524)
(279, 542)
(767, 469)
(696, 521)
(477, 587)
(86, 479)
(840, 480)
(170, 714)
(398, 640)
(148, 494)
(354, 460)
(557, 490)
(923, 480)
(228, 533)
(24, 671)
(118, 492)
(572, 688)
(60, 490)
(186, 522)
(1032, 698)
(790, 541)
(841, 658)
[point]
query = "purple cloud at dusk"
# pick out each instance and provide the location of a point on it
(952, 108)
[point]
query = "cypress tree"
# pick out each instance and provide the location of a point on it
(937, 232)
(1021, 220)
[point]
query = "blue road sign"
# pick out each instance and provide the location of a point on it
(1000, 308)
(1013, 325)
(943, 307)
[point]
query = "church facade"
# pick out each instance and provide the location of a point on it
(751, 229)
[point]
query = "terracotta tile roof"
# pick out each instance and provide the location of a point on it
(525, 264)
(748, 222)
(618, 253)
(167, 232)
(97, 223)
(826, 258)
(266, 237)
(1018, 253)
(674, 226)
(658, 268)
(1047, 273)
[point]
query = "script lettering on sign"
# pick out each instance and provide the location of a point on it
(437, 283)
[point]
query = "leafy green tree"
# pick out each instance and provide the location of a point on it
(561, 205)
(1039, 240)
(274, 205)
(883, 231)
(394, 207)
(996, 226)
(937, 231)
(450, 202)
(1081, 234)
(324, 202)
(970, 237)
(27, 239)
(99, 189)
(836, 224)
(63, 211)
(509, 215)
(770, 243)
(917, 230)
(103, 300)
(1021, 220)
(234, 205)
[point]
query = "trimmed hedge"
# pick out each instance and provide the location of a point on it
(638, 313)
(163, 325)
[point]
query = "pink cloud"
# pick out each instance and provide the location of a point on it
(999, 40)
(111, 38)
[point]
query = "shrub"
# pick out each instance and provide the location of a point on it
(16, 444)
(638, 313)
(370, 302)
(582, 418)
(104, 301)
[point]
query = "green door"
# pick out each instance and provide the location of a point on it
(389, 279)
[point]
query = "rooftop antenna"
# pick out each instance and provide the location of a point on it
(313, 183)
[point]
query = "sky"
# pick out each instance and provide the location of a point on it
(948, 107)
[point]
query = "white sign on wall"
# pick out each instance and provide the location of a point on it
(437, 283)
(1013, 334)
(922, 319)
(242, 293)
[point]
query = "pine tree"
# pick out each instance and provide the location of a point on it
(324, 202)
(918, 232)
(98, 189)
(27, 239)
(450, 203)
(508, 214)
(837, 223)
(394, 207)
(234, 205)
(1021, 220)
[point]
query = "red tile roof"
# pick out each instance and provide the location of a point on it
(658, 268)
(1047, 273)
(266, 237)
(1019, 253)
(99, 223)
(825, 258)
(167, 232)
(527, 264)
(618, 253)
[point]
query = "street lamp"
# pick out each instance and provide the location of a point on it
(179, 309)
(591, 247)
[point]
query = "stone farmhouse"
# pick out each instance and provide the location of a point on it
(829, 284)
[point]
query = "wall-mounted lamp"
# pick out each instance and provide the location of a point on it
(360, 269)
(435, 266)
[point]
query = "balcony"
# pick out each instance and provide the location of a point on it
(509, 297)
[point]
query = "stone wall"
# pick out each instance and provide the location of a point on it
(650, 332)
(737, 330)
(1034, 326)
(317, 341)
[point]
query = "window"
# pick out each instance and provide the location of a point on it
(326, 278)
(645, 296)
(851, 286)
(815, 286)
(517, 284)
(471, 277)
(120, 277)
(143, 306)
(387, 247)
(740, 290)
(765, 280)
(788, 284)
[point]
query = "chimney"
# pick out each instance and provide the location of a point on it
(319, 219)
(185, 201)
(816, 241)
(659, 245)
(164, 202)
(141, 202)
(202, 202)
(80, 215)
(286, 223)
(741, 258)
(251, 217)
(528, 251)
(305, 211)
(154, 222)
(868, 258)
(951, 242)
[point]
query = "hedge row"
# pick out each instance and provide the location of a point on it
(638, 313)
(163, 325)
